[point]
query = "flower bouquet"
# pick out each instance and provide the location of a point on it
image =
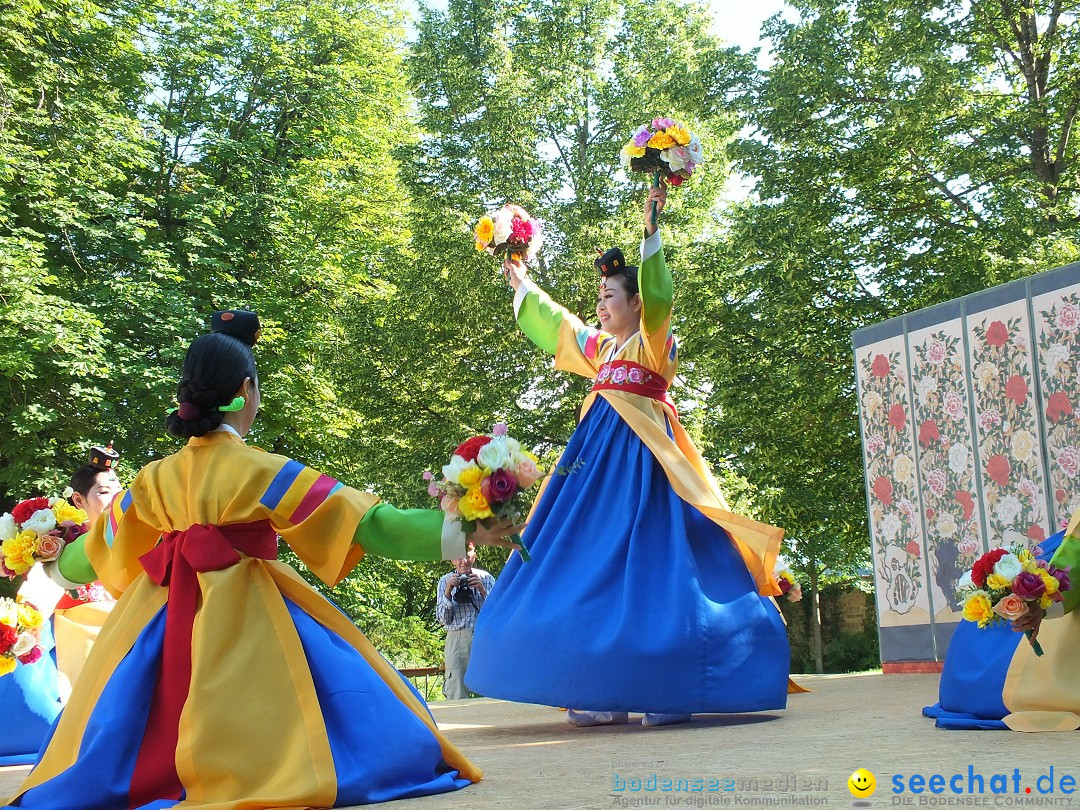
(1003, 583)
(20, 628)
(37, 530)
(665, 148)
(486, 478)
(788, 586)
(511, 231)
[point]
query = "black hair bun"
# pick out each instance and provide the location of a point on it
(198, 413)
(238, 323)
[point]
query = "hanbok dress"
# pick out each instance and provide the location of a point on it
(29, 704)
(992, 678)
(644, 592)
(77, 622)
(221, 679)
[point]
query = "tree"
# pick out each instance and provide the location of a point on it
(903, 154)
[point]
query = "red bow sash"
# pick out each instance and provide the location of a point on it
(626, 375)
(176, 562)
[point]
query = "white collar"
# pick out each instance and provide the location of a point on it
(615, 353)
(229, 429)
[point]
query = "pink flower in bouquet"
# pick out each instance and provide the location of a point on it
(449, 504)
(527, 473)
(433, 490)
(521, 230)
(500, 486)
(500, 429)
(49, 547)
(1062, 576)
(663, 123)
(1011, 607)
(1028, 585)
(31, 657)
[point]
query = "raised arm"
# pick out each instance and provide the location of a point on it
(577, 347)
(655, 285)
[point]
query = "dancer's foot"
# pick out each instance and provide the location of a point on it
(583, 718)
(654, 719)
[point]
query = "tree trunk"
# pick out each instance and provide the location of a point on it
(815, 618)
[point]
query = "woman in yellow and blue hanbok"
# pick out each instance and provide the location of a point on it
(221, 679)
(644, 592)
(992, 677)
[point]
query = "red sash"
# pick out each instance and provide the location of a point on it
(634, 378)
(175, 562)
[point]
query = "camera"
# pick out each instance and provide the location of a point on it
(464, 592)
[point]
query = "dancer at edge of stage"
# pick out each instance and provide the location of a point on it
(222, 679)
(81, 612)
(992, 678)
(645, 593)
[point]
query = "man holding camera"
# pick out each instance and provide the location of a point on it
(461, 594)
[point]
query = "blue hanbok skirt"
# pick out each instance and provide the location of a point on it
(970, 695)
(29, 703)
(633, 600)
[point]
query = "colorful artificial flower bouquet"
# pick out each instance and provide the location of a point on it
(1003, 583)
(788, 586)
(486, 478)
(37, 530)
(511, 231)
(666, 148)
(20, 629)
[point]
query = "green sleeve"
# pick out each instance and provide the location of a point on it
(401, 534)
(1068, 556)
(541, 319)
(655, 285)
(73, 563)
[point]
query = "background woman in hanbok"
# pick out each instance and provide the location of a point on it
(644, 593)
(80, 613)
(29, 695)
(992, 677)
(222, 679)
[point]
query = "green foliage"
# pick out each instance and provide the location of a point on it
(902, 154)
(852, 652)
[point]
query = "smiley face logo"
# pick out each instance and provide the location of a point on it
(862, 784)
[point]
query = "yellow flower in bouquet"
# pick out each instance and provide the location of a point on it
(19, 551)
(661, 140)
(7, 665)
(681, 135)
(1050, 581)
(484, 233)
(65, 511)
(471, 476)
(997, 582)
(474, 506)
(30, 617)
(977, 608)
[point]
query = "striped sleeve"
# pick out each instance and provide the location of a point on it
(331, 526)
(113, 545)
